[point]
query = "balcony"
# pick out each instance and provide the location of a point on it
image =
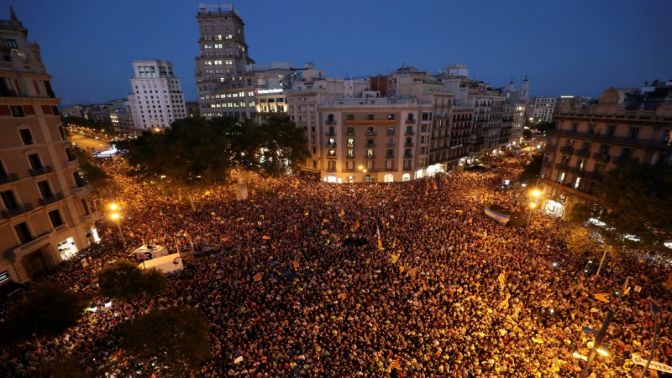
(605, 138)
(371, 145)
(41, 170)
(330, 133)
(330, 122)
(16, 211)
(52, 199)
(389, 144)
(371, 133)
(584, 152)
(408, 156)
(372, 156)
(390, 132)
(409, 132)
(408, 144)
(410, 121)
(332, 145)
(602, 156)
(567, 150)
(9, 177)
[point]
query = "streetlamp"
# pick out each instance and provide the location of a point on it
(116, 216)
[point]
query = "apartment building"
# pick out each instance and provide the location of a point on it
(592, 139)
(543, 109)
(46, 215)
(156, 98)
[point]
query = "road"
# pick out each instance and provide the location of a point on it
(87, 143)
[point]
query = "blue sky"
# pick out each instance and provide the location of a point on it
(575, 47)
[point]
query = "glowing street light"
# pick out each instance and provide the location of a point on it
(533, 205)
(536, 193)
(115, 216)
(113, 206)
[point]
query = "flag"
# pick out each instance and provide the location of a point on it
(295, 264)
(401, 268)
(602, 297)
(412, 272)
(325, 221)
(394, 364)
(502, 280)
(379, 239)
(342, 295)
(257, 277)
(341, 214)
(265, 237)
(504, 304)
(394, 258)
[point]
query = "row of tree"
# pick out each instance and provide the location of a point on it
(175, 339)
(195, 150)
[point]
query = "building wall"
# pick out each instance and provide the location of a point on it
(42, 192)
(156, 98)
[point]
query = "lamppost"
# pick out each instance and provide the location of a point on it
(654, 310)
(115, 216)
(598, 346)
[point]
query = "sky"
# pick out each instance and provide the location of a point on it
(578, 47)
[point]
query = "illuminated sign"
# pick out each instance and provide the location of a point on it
(269, 91)
(4, 277)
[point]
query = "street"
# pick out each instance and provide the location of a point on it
(87, 143)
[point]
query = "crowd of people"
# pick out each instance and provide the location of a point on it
(401, 279)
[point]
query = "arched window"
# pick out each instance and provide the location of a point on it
(406, 177)
(388, 178)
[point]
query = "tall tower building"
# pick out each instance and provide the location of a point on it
(46, 215)
(223, 56)
(156, 97)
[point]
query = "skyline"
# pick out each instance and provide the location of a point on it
(620, 45)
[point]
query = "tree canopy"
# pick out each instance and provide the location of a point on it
(634, 199)
(532, 169)
(176, 337)
(195, 150)
(47, 309)
(124, 280)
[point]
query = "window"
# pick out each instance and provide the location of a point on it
(23, 232)
(426, 116)
(70, 154)
(634, 132)
(604, 149)
(9, 200)
(370, 153)
(45, 189)
(61, 130)
(26, 136)
(389, 154)
(390, 116)
(611, 130)
(332, 141)
(35, 161)
(561, 177)
(350, 153)
(369, 131)
(85, 205)
(17, 111)
(407, 152)
(389, 165)
(331, 166)
(350, 117)
(390, 131)
(55, 217)
(575, 127)
(370, 143)
(350, 130)
(370, 164)
(577, 181)
(350, 142)
(11, 43)
(350, 165)
(407, 167)
(369, 117)
(332, 153)
(626, 153)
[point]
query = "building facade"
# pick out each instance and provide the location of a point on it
(156, 98)
(46, 215)
(543, 109)
(223, 58)
(591, 140)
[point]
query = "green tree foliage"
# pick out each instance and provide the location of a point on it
(46, 310)
(176, 338)
(635, 199)
(532, 169)
(579, 240)
(124, 280)
(196, 151)
(543, 127)
(95, 175)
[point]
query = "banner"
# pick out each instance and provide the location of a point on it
(602, 297)
(637, 360)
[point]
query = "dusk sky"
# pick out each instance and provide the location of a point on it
(565, 47)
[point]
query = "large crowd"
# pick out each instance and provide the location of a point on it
(401, 279)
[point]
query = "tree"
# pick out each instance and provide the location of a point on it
(46, 310)
(95, 175)
(532, 169)
(176, 338)
(124, 280)
(282, 146)
(579, 240)
(634, 199)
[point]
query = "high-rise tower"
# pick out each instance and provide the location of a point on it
(223, 57)
(156, 98)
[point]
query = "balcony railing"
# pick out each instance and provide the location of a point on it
(408, 144)
(660, 143)
(568, 150)
(16, 211)
(602, 156)
(584, 152)
(371, 133)
(9, 177)
(410, 121)
(408, 156)
(373, 156)
(330, 121)
(41, 170)
(52, 199)
(371, 145)
(333, 145)
(409, 132)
